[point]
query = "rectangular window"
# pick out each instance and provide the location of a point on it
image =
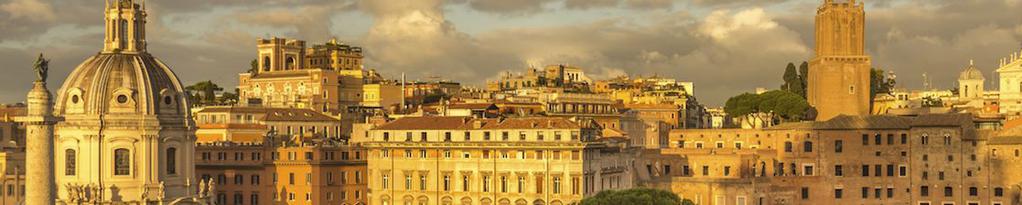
(890, 192)
(924, 191)
(805, 192)
(902, 170)
(865, 192)
(865, 170)
(839, 146)
(890, 170)
(839, 170)
(838, 193)
(904, 138)
(865, 139)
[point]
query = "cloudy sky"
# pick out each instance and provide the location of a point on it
(725, 46)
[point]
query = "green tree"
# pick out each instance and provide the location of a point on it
(803, 75)
(642, 196)
(879, 83)
(254, 66)
(203, 93)
(785, 105)
(792, 80)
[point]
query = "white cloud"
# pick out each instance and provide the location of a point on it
(33, 10)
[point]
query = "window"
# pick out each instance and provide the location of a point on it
(807, 170)
(839, 146)
(706, 170)
(171, 160)
(890, 139)
(805, 192)
(998, 192)
(255, 179)
(865, 170)
(807, 146)
(503, 184)
(877, 139)
(422, 183)
(408, 182)
(787, 147)
(865, 192)
(838, 193)
(904, 138)
(521, 184)
(539, 184)
(557, 185)
(973, 191)
(839, 170)
(239, 179)
(70, 162)
(948, 191)
(924, 191)
(865, 139)
(447, 183)
(122, 162)
(890, 170)
(486, 183)
(727, 170)
(291, 178)
(384, 181)
(890, 192)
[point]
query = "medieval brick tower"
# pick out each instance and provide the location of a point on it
(839, 73)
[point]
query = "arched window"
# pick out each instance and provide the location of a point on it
(807, 146)
(70, 162)
(122, 162)
(171, 160)
(266, 63)
(290, 63)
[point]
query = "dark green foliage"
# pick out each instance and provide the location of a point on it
(204, 93)
(803, 75)
(639, 196)
(792, 80)
(879, 83)
(785, 105)
(255, 66)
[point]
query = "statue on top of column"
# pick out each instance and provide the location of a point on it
(42, 68)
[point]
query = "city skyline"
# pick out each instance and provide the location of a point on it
(687, 40)
(559, 102)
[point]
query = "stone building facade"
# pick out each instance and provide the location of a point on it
(463, 160)
(250, 124)
(839, 73)
(303, 170)
(1010, 75)
(923, 160)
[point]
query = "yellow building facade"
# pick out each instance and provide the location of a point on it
(462, 160)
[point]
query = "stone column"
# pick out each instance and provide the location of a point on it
(39, 147)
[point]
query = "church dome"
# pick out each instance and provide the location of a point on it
(971, 73)
(121, 83)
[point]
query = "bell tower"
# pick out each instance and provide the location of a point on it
(839, 73)
(125, 26)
